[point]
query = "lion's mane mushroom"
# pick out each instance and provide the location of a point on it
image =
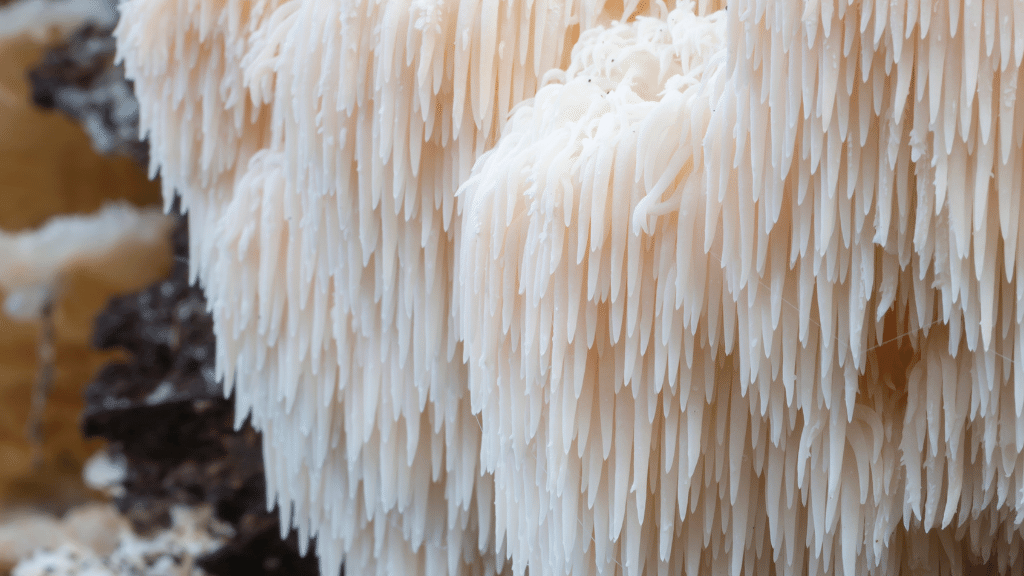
(807, 358)
(879, 148)
(317, 147)
(732, 293)
(572, 323)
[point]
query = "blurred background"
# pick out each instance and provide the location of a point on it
(49, 169)
(117, 450)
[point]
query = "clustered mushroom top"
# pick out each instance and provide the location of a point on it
(611, 287)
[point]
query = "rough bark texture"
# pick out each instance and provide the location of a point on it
(164, 412)
(80, 79)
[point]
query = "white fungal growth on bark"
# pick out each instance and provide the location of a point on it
(40, 19)
(34, 263)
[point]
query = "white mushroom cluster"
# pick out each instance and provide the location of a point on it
(605, 287)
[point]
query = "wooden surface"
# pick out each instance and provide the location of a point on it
(47, 167)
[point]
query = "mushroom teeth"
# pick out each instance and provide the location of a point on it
(574, 286)
(578, 229)
(740, 316)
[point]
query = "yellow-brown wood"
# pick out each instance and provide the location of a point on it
(48, 168)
